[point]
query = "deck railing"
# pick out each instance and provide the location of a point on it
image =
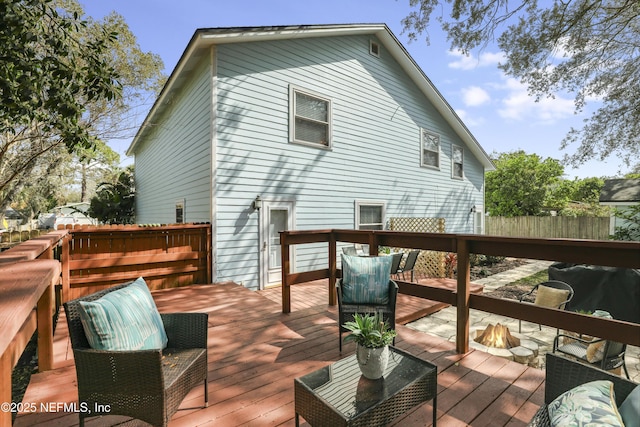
(594, 252)
(29, 274)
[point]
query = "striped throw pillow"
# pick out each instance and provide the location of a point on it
(365, 280)
(124, 320)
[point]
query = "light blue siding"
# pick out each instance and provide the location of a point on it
(174, 163)
(377, 115)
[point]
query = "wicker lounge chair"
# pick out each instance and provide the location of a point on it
(563, 374)
(145, 384)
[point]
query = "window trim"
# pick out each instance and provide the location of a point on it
(424, 131)
(453, 162)
(180, 211)
(359, 203)
(293, 90)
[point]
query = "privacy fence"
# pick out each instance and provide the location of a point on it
(596, 228)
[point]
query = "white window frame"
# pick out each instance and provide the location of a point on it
(293, 90)
(453, 162)
(423, 134)
(378, 203)
(181, 212)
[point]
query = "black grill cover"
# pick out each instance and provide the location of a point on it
(616, 290)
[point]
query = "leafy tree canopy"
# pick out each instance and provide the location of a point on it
(114, 202)
(587, 47)
(518, 186)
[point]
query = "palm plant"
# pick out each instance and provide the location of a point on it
(369, 331)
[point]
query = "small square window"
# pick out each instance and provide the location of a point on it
(310, 118)
(370, 215)
(458, 162)
(430, 152)
(374, 49)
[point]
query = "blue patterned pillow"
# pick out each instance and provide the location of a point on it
(592, 403)
(365, 280)
(124, 320)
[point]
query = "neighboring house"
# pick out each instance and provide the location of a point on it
(69, 214)
(301, 127)
(619, 194)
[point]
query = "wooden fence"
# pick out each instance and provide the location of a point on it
(563, 227)
(166, 256)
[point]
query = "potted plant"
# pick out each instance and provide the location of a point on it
(372, 337)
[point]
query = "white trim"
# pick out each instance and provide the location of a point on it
(293, 90)
(453, 162)
(358, 203)
(424, 131)
(213, 207)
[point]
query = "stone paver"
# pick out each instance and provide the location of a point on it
(443, 323)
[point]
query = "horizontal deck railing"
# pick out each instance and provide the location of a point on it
(594, 252)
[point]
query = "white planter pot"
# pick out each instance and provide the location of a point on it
(372, 361)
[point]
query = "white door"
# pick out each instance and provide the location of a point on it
(478, 220)
(275, 217)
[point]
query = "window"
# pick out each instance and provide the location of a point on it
(374, 48)
(457, 162)
(310, 121)
(430, 153)
(370, 215)
(180, 211)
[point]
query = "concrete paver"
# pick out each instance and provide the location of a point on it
(443, 323)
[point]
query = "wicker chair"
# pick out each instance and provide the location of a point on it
(563, 374)
(145, 384)
(346, 311)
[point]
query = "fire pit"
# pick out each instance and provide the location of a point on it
(499, 341)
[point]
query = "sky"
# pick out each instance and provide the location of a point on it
(495, 107)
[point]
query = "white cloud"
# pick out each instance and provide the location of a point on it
(518, 105)
(474, 96)
(466, 62)
(468, 119)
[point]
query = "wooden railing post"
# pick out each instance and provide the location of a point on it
(462, 296)
(286, 266)
(45, 308)
(64, 265)
(332, 269)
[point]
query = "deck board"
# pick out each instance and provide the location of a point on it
(255, 352)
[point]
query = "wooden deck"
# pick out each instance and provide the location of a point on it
(255, 352)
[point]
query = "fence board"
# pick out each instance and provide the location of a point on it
(596, 228)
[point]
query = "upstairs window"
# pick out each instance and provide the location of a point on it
(310, 118)
(370, 215)
(457, 162)
(430, 153)
(180, 212)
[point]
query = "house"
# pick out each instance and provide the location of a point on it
(301, 127)
(620, 194)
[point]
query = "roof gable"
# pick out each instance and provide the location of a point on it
(205, 38)
(620, 191)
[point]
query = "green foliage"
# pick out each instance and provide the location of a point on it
(369, 331)
(588, 48)
(114, 202)
(631, 228)
(579, 197)
(48, 71)
(518, 186)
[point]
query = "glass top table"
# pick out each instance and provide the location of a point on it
(338, 395)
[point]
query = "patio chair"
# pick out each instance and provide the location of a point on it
(563, 374)
(146, 384)
(552, 294)
(409, 265)
(365, 288)
(604, 354)
(349, 250)
(396, 259)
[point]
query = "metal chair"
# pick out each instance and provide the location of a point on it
(559, 303)
(578, 347)
(145, 384)
(395, 263)
(409, 265)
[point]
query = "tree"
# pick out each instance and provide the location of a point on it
(114, 202)
(82, 55)
(588, 47)
(630, 230)
(520, 183)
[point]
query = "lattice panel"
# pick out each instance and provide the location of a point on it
(429, 263)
